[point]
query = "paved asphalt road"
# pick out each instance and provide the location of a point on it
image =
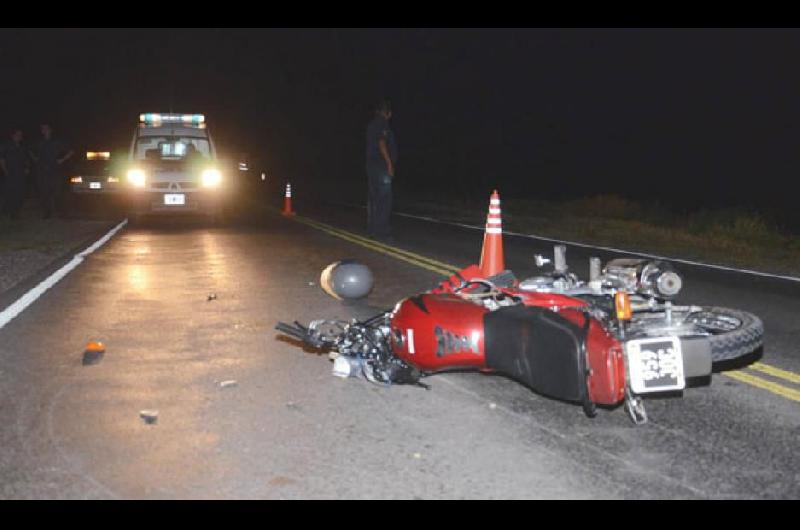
(288, 429)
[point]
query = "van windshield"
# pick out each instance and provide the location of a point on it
(170, 148)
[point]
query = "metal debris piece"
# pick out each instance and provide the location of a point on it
(212, 296)
(282, 481)
(92, 357)
(226, 384)
(149, 416)
(93, 352)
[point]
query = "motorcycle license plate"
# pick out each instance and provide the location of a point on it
(655, 364)
(174, 198)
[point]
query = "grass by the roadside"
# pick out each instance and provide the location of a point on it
(31, 232)
(732, 237)
(30, 244)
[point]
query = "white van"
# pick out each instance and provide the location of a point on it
(174, 166)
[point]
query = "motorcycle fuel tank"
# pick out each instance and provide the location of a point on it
(438, 331)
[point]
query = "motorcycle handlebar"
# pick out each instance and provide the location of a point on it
(299, 332)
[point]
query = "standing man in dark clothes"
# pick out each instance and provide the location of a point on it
(49, 156)
(15, 164)
(381, 159)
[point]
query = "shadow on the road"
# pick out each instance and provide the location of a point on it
(703, 380)
(738, 363)
(297, 343)
(511, 380)
(363, 309)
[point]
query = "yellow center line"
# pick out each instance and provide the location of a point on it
(776, 372)
(408, 257)
(447, 270)
(372, 242)
(775, 388)
(405, 255)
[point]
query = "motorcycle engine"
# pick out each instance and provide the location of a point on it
(547, 284)
(646, 277)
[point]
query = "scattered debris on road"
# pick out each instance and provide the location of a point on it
(417, 456)
(492, 406)
(93, 353)
(280, 480)
(212, 296)
(149, 416)
(229, 383)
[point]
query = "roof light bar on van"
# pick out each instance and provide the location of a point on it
(153, 118)
(98, 155)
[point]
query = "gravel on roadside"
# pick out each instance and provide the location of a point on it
(29, 245)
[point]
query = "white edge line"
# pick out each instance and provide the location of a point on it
(13, 310)
(610, 249)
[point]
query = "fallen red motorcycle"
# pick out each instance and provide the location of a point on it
(612, 339)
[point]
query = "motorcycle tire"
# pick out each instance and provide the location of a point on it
(743, 340)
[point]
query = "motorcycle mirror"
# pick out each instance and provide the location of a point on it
(541, 261)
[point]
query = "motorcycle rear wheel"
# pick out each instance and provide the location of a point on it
(731, 333)
(746, 333)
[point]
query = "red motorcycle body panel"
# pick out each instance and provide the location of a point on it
(458, 279)
(606, 381)
(440, 331)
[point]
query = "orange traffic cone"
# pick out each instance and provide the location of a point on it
(287, 201)
(492, 261)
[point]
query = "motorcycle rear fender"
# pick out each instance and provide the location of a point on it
(696, 357)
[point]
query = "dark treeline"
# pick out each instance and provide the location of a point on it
(687, 118)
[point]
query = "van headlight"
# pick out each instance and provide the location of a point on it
(211, 178)
(137, 177)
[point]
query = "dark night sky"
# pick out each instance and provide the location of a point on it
(713, 114)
